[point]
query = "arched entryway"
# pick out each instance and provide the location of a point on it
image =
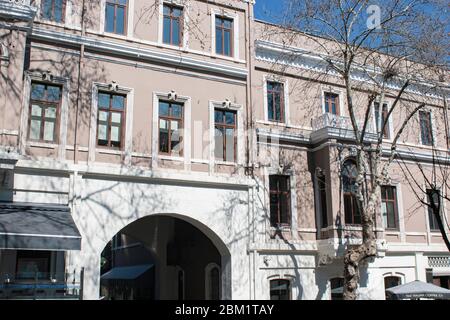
(167, 257)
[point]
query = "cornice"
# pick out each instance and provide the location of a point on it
(17, 10)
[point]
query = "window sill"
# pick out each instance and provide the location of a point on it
(42, 145)
(226, 163)
(109, 151)
(171, 158)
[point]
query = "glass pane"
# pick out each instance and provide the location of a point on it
(59, 10)
(49, 129)
(166, 9)
(103, 100)
(163, 125)
(109, 21)
(176, 32)
(163, 136)
(175, 138)
(102, 132)
(218, 116)
(384, 214)
(116, 117)
(103, 116)
(218, 139)
(36, 110)
(177, 12)
(53, 93)
(37, 91)
(163, 108)
(120, 20)
(227, 43)
(277, 107)
(47, 9)
(177, 110)
(118, 102)
(219, 47)
(123, 2)
(230, 117)
(391, 215)
(115, 133)
(166, 30)
(227, 23)
(50, 112)
(229, 145)
(35, 129)
(270, 108)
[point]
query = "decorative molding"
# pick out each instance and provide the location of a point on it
(17, 9)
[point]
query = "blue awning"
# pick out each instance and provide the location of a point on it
(126, 273)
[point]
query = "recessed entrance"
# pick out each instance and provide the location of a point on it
(165, 257)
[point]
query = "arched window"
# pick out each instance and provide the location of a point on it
(212, 282)
(349, 175)
(280, 289)
(390, 282)
(337, 288)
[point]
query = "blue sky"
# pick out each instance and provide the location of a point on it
(269, 10)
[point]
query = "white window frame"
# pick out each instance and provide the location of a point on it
(340, 93)
(400, 217)
(64, 112)
(185, 38)
(127, 147)
(4, 57)
(240, 144)
(235, 18)
(433, 129)
(130, 21)
(286, 277)
(268, 171)
(285, 83)
(391, 131)
(208, 269)
(186, 101)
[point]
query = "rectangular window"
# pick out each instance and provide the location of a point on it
(170, 128)
(224, 36)
(116, 16)
(389, 208)
(53, 10)
(332, 103)
(275, 101)
(33, 264)
(380, 122)
(111, 119)
(432, 219)
(225, 135)
(280, 200)
(172, 24)
(323, 200)
(44, 112)
(426, 131)
(280, 289)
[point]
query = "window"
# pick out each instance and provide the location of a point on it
(321, 184)
(172, 25)
(389, 208)
(426, 131)
(111, 119)
(44, 112)
(170, 126)
(213, 283)
(224, 31)
(332, 103)
(432, 219)
(280, 198)
(53, 10)
(116, 16)
(442, 281)
(337, 288)
(380, 122)
(225, 135)
(32, 264)
(275, 101)
(390, 282)
(280, 289)
(349, 174)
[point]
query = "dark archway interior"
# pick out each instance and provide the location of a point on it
(160, 257)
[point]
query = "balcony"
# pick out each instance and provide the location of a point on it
(40, 286)
(17, 10)
(331, 126)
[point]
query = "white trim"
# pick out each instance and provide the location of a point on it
(333, 90)
(286, 121)
(130, 20)
(240, 143)
(38, 235)
(230, 15)
(186, 130)
(126, 150)
(185, 31)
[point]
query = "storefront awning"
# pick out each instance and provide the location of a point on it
(33, 226)
(126, 273)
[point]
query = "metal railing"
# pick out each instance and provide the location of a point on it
(41, 286)
(20, 2)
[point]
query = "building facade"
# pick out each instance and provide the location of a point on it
(164, 125)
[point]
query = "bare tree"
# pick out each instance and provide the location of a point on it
(375, 49)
